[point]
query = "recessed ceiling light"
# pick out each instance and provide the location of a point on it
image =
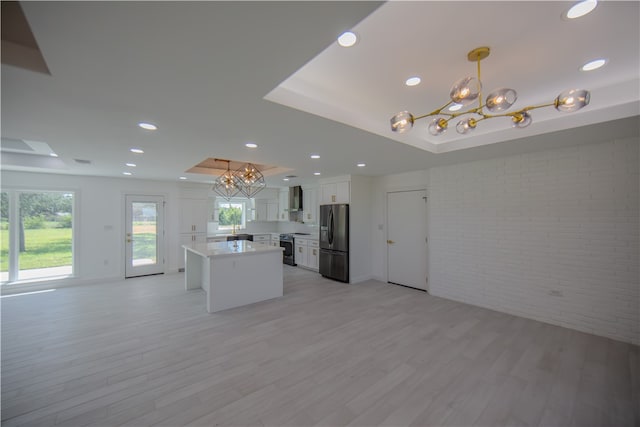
(316, 173)
(347, 39)
(136, 150)
(315, 156)
(147, 126)
(455, 107)
(251, 145)
(581, 9)
(183, 177)
(361, 165)
(413, 81)
(126, 173)
(53, 154)
(593, 65)
(285, 179)
(131, 165)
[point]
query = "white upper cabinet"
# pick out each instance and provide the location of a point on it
(266, 210)
(310, 205)
(283, 205)
(267, 205)
(193, 215)
(335, 192)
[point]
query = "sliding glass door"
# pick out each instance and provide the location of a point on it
(37, 235)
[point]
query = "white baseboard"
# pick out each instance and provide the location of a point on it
(38, 285)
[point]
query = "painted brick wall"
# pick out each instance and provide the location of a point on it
(551, 235)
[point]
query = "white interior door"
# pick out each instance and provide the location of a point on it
(144, 239)
(407, 238)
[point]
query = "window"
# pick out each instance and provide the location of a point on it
(37, 235)
(231, 214)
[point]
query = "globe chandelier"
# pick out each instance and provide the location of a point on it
(469, 89)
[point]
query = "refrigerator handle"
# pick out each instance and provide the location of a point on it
(331, 227)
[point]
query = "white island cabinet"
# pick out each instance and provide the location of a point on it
(234, 273)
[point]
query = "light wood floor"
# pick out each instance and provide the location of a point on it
(145, 352)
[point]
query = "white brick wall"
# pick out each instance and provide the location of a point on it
(509, 233)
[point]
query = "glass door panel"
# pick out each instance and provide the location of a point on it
(45, 235)
(144, 234)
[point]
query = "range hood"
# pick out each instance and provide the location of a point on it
(295, 199)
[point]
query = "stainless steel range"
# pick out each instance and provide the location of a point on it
(289, 253)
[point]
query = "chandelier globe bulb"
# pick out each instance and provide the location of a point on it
(501, 99)
(465, 126)
(572, 100)
(438, 126)
(402, 122)
(521, 119)
(466, 90)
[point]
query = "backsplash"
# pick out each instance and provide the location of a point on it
(281, 227)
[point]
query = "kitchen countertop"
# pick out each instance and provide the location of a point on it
(232, 248)
(313, 236)
(306, 236)
(242, 232)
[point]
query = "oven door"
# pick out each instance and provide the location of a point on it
(288, 253)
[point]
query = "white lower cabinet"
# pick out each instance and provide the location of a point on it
(262, 239)
(189, 239)
(313, 255)
(301, 253)
(307, 253)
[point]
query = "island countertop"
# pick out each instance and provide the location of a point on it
(231, 248)
(234, 273)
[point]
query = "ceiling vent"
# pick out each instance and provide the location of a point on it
(83, 161)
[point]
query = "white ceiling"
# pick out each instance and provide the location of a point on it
(201, 72)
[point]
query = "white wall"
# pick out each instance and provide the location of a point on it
(360, 238)
(99, 229)
(551, 235)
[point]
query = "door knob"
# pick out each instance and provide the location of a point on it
(390, 242)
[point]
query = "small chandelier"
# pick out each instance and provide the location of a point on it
(466, 91)
(250, 180)
(226, 185)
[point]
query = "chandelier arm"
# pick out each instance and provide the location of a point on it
(533, 107)
(477, 110)
(435, 112)
(515, 113)
(485, 116)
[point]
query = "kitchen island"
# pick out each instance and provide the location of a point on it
(233, 273)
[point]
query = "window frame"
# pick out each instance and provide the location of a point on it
(246, 207)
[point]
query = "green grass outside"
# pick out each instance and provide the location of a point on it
(45, 247)
(51, 247)
(4, 250)
(144, 246)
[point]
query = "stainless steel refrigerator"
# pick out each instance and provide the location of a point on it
(334, 242)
